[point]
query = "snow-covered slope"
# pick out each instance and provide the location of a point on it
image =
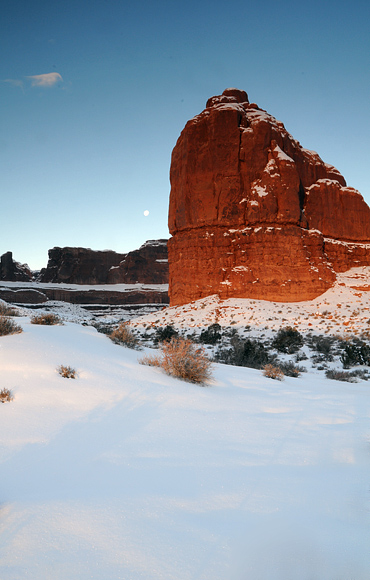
(126, 473)
(343, 310)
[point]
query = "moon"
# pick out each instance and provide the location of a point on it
(146, 212)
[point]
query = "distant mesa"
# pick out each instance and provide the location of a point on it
(255, 215)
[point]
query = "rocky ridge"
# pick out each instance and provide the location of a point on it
(255, 215)
(147, 265)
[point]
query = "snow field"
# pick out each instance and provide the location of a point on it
(127, 473)
(344, 310)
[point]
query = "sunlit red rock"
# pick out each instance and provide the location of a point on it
(254, 214)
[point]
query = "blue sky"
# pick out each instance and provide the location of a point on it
(94, 95)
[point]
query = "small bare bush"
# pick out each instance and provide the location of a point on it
(46, 319)
(8, 326)
(290, 369)
(67, 372)
(185, 360)
(151, 360)
(123, 335)
(345, 376)
(273, 372)
(6, 310)
(182, 358)
(6, 396)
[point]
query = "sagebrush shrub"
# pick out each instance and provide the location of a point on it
(273, 372)
(100, 327)
(341, 376)
(248, 353)
(355, 353)
(6, 396)
(363, 374)
(290, 369)
(288, 340)
(48, 319)
(151, 360)
(6, 310)
(323, 345)
(165, 334)
(211, 335)
(123, 335)
(186, 360)
(182, 358)
(8, 326)
(67, 372)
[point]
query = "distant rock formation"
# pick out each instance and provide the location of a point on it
(147, 265)
(142, 294)
(14, 271)
(253, 214)
(145, 268)
(79, 265)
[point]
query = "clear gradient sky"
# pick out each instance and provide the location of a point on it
(94, 95)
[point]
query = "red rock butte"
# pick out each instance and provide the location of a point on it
(255, 215)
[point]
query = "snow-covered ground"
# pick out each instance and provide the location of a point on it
(343, 310)
(127, 473)
(89, 312)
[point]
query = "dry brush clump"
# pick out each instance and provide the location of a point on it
(183, 359)
(67, 372)
(151, 360)
(6, 396)
(124, 336)
(48, 319)
(8, 326)
(273, 372)
(6, 310)
(344, 376)
(289, 369)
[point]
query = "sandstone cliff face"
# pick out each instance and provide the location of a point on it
(254, 214)
(79, 265)
(13, 271)
(147, 265)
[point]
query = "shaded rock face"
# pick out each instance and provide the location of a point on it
(254, 214)
(141, 295)
(79, 265)
(13, 271)
(148, 265)
(22, 296)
